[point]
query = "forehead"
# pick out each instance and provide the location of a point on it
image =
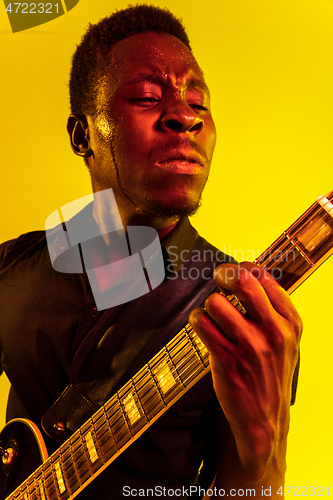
(152, 55)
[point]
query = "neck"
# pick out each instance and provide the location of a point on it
(112, 215)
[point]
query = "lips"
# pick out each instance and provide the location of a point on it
(181, 163)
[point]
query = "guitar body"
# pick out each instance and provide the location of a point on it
(26, 451)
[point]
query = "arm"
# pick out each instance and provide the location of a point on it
(253, 358)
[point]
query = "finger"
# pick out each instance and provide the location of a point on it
(222, 316)
(277, 296)
(248, 289)
(209, 332)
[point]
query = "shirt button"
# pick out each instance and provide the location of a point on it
(94, 312)
(60, 245)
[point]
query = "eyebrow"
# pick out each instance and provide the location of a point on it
(160, 79)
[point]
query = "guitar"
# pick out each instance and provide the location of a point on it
(31, 474)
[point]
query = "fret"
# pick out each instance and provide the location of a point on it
(298, 248)
(59, 477)
(91, 448)
(117, 421)
(302, 247)
(171, 372)
(281, 247)
(326, 204)
(158, 390)
(313, 222)
(124, 431)
(49, 483)
(65, 471)
(144, 414)
(179, 350)
(141, 378)
(104, 434)
(41, 491)
(32, 488)
(148, 393)
(35, 487)
(132, 407)
(166, 377)
(182, 348)
(200, 348)
(186, 359)
(315, 237)
(173, 343)
(128, 404)
(151, 400)
(23, 493)
(192, 370)
(108, 408)
(286, 263)
(166, 381)
(80, 458)
(174, 367)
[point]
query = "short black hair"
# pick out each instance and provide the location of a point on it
(91, 55)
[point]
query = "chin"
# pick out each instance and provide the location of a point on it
(172, 210)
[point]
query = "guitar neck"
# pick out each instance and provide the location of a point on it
(303, 247)
(171, 373)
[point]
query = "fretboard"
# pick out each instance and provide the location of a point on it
(171, 373)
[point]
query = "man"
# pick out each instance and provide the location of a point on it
(141, 120)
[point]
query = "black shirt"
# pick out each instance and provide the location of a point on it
(48, 341)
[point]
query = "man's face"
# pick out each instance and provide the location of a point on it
(153, 135)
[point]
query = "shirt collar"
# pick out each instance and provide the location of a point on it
(178, 243)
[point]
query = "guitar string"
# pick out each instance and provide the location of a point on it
(266, 262)
(148, 383)
(315, 211)
(175, 369)
(47, 468)
(289, 246)
(83, 467)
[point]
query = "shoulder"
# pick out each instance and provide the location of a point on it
(25, 244)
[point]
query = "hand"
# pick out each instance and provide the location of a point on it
(252, 358)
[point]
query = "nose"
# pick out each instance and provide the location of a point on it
(180, 117)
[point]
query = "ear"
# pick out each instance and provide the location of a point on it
(78, 131)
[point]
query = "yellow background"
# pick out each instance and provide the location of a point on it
(269, 64)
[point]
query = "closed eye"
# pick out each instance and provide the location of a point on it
(198, 106)
(148, 100)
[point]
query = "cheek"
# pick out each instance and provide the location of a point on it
(132, 140)
(211, 139)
